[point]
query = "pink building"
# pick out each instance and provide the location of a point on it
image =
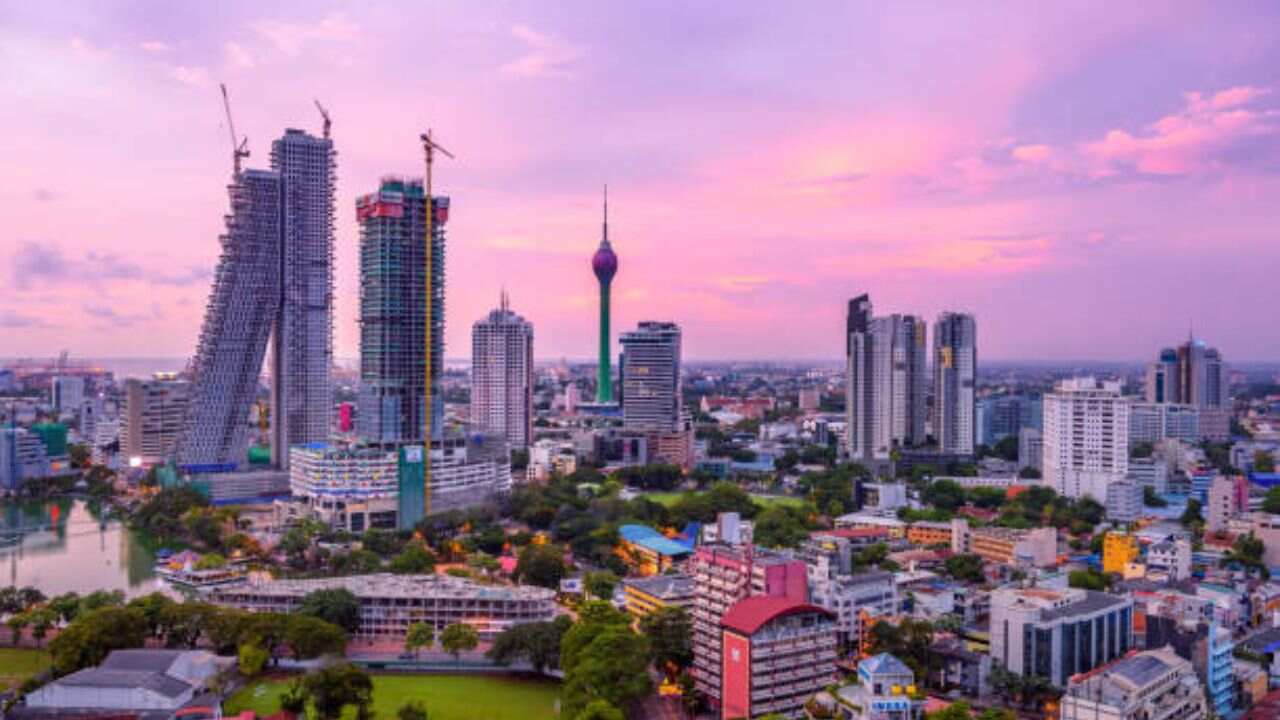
(345, 417)
(723, 575)
(777, 652)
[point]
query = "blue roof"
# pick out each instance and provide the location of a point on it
(884, 663)
(647, 537)
(1265, 479)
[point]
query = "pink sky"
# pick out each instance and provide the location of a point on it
(1089, 179)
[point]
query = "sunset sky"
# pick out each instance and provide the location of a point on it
(1090, 179)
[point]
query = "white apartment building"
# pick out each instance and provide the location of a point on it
(502, 375)
(1086, 437)
(1171, 556)
(1124, 501)
(354, 488)
(151, 418)
(1152, 685)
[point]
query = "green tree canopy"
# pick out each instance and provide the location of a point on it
(541, 565)
(459, 638)
(670, 634)
(336, 685)
(338, 606)
(420, 635)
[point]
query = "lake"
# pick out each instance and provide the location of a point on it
(61, 545)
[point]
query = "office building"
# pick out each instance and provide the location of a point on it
(1151, 685)
(778, 652)
(1031, 449)
(1193, 374)
(22, 457)
(389, 603)
(854, 600)
(154, 417)
(1058, 633)
(1124, 501)
(885, 382)
(1086, 437)
(502, 375)
(604, 264)
(723, 575)
(350, 488)
(1157, 422)
(1152, 472)
(884, 691)
(68, 393)
(651, 383)
(1001, 416)
(393, 293)
(955, 360)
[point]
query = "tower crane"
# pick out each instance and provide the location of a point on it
(324, 114)
(239, 149)
(429, 148)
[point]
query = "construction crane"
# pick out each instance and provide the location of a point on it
(239, 149)
(429, 148)
(324, 114)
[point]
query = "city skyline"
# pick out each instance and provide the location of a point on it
(1059, 160)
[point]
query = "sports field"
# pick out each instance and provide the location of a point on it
(446, 697)
(668, 498)
(18, 664)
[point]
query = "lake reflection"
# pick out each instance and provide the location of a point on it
(64, 547)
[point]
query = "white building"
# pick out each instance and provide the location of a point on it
(502, 375)
(1154, 422)
(152, 417)
(955, 360)
(68, 393)
(885, 381)
(131, 682)
(850, 597)
(1058, 633)
(1171, 556)
(1150, 472)
(1124, 501)
(1152, 685)
(353, 488)
(1086, 437)
(1031, 448)
(1221, 502)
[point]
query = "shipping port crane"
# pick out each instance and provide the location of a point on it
(429, 148)
(239, 149)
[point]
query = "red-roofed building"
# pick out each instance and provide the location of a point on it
(776, 653)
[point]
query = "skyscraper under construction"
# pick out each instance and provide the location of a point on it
(274, 281)
(392, 311)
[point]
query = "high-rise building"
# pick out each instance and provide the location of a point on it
(393, 311)
(605, 265)
(1000, 416)
(274, 282)
(885, 381)
(302, 345)
(502, 375)
(68, 393)
(1055, 634)
(1086, 437)
(1193, 374)
(778, 652)
(237, 325)
(152, 417)
(650, 375)
(955, 360)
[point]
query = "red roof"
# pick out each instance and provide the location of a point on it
(852, 532)
(752, 613)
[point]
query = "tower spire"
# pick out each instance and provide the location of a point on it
(605, 238)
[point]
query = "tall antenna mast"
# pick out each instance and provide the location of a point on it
(239, 148)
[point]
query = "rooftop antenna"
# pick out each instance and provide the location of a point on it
(238, 150)
(324, 114)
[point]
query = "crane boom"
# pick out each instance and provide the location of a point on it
(239, 147)
(429, 148)
(324, 114)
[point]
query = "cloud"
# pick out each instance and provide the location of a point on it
(545, 56)
(291, 37)
(44, 195)
(1032, 153)
(193, 76)
(155, 46)
(237, 55)
(110, 315)
(42, 264)
(11, 319)
(85, 48)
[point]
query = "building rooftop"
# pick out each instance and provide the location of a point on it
(750, 614)
(647, 537)
(155, 681)
(663, 587)
(1091, 602)
(389, 585)
(884, 664)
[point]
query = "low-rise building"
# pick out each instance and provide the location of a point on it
(929, 533)
(647, 594)
(1118, 549)
(777, 652)
(1152, 685)
(349, 487)
(1124, 502)
(895, 527)
(855, 600)
(389, 604)
(885, 691)
(648, 551)
(1037, 547)
(131, 683)
(1171, 556)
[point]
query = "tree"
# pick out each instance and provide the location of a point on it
(600, 584)
(412, 710)
(67, 605)
(382, 542)
(1271, 502)
(541, 565)
(210, 561)
(101, 599)
(600, 710)
(459, 638)
(1141, 450)
(414, 560)
(1151, 499)
(966, 567)
(954, 711)
(310, 637)
(1007, 448)
(252, 660)
(943, 494)
(670, 634)
(610, 667)
(1263, 462)
(42, 621)
(17, 622)
(997, 714)
(537, 642)
(294, 699)
(153, 607)
(86, 642)
(420, 635)
(1029, 473)
(335, 686)
(781, 526)
(338, 606)
(184, 624)
(1088, 580)
(1192, 515)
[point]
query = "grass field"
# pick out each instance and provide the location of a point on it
(18, 664)
(446, 697)
(667, 498)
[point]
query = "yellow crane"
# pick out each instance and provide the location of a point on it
(239, 148)
(429, 148)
